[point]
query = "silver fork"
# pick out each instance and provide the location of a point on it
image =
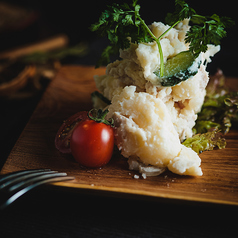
(14, 185)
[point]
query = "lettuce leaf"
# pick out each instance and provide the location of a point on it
(218, 113)
(205, 141)
(220, 108)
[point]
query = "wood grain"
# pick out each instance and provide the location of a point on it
(69, 93)
(43, 46)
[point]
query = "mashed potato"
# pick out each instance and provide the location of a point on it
(144, 130)
(152, 120)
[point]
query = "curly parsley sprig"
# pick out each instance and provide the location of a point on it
(122, 24)
(204, 30)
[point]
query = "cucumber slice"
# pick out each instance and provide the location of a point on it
(179, 68)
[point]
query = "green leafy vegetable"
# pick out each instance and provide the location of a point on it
(122, 24)
(205, 141)
(220, 107)
(204, 29)
(219, 112)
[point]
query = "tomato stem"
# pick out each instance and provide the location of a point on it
(99, 116)
(103, 113)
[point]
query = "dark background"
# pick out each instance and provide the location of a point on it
(74, 18)
(49, 213)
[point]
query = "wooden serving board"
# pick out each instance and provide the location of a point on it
(69, 93)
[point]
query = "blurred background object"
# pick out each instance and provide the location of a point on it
(28, 64)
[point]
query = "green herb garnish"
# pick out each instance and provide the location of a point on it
(122, 24)
(204, 30)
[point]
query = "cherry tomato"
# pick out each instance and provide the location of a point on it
(62, 139)
(92, 143)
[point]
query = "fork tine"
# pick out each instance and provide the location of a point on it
(18, 173)
(40, 176)
(30, 187)
(23, 177)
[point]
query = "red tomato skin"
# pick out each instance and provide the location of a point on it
(92, 143)
(62, 138)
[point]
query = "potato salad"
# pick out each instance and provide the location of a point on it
(156, 88)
